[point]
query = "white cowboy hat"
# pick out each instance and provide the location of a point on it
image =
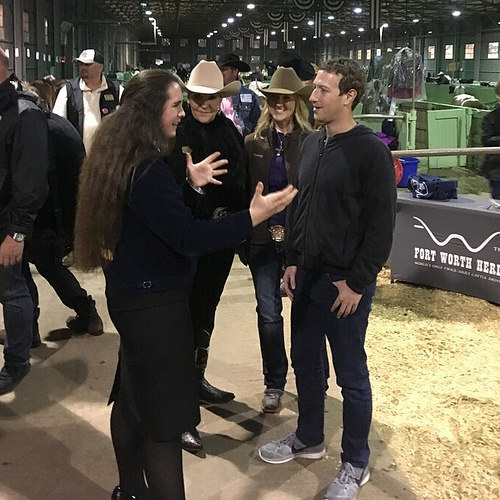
(206, 78)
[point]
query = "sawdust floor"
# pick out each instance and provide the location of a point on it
(435, 364)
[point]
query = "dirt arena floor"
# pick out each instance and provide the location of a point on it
(435, 364)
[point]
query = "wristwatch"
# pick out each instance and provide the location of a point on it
(19, 237)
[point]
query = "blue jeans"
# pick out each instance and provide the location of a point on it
(266, 263)
(17, 315)
(495, 189)
(47, 256)
(311, 321)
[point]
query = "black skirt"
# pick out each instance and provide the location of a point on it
(155, 377)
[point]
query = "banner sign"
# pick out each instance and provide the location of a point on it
(453, 245)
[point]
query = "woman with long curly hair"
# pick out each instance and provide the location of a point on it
(136, 221)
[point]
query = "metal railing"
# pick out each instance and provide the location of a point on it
(445, 152)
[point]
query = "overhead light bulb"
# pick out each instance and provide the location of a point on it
(357, 10)
(251, 6)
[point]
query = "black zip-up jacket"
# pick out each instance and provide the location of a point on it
(491, 137)
(23, 163)
(341, 221)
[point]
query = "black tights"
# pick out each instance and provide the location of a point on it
(140, 460)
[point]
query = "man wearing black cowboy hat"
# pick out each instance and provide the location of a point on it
(243, 108)
(291, 59)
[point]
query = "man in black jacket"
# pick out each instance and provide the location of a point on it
(340, 236)
(23, 189)
(491, 137)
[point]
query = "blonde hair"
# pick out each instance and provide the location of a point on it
(300, 118)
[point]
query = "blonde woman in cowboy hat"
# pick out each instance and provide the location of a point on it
(205, 130)
(273, 153)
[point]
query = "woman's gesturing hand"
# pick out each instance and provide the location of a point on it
(262, 207)
(203, 173)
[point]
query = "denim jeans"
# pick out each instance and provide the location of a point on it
(17, 315)
(495, 189)
(49, 264)
(266, 263)
(312, 319)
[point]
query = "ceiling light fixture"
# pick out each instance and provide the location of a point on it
(357, 10)
(224, 25)
(230, 20)
(310, 23)
(239, 14)
(415, 20)
(361, 30)
(331, 18)
(251, 6)
(342, 32)
(456, 13)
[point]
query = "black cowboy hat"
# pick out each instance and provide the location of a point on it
(291, 59)
(233, 61)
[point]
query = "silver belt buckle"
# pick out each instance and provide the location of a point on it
(277, 232)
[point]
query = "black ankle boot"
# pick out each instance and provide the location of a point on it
(119, 495)
(191, 441)
(211, 395)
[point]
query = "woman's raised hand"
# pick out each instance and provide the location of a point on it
(204, 172)
(262, 207)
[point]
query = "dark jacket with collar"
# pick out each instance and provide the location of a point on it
(23, 162)
(161, 239)
(491, 137)
(260, 153)
(203, 139)
(342, 219)
(246, 108)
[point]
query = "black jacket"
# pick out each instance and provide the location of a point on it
(23, 163)
(203, 139)
(491, 137)
(342, 220)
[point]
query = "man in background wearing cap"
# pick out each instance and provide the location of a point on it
(243, 108)
(85, 100)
